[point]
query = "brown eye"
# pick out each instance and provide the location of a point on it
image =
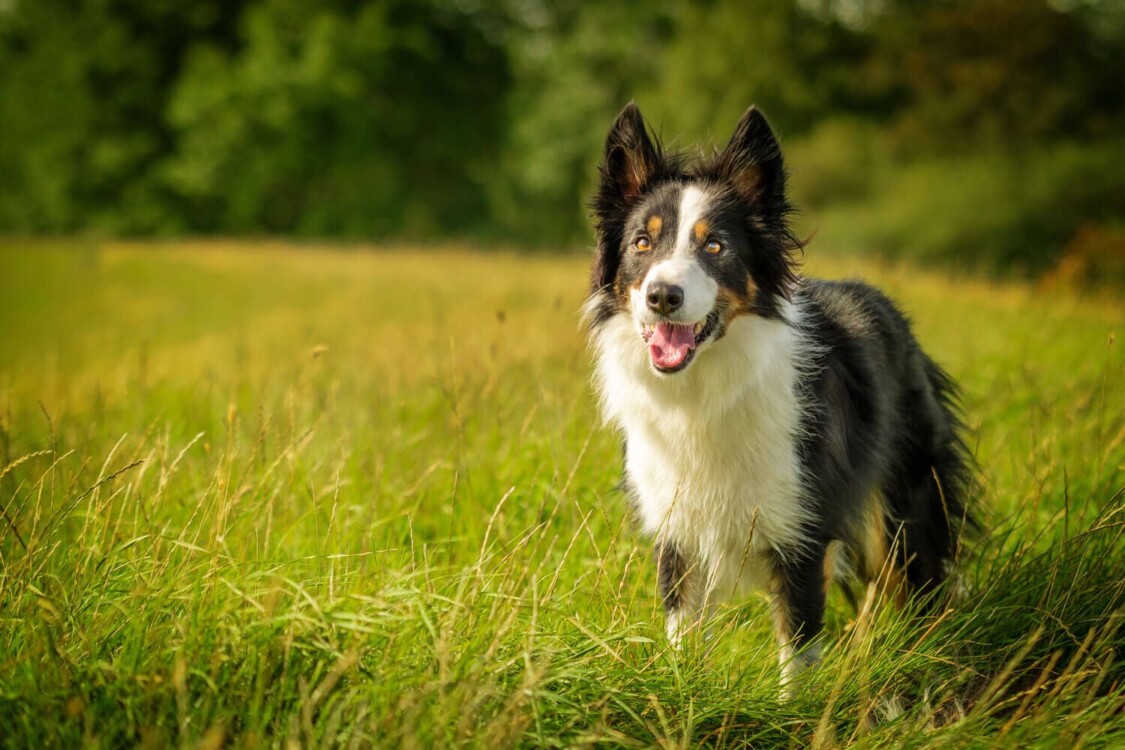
(714, 247)
(643, 244)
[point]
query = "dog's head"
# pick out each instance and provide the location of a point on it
(685, 249)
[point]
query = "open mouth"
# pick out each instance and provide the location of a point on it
(671, 346)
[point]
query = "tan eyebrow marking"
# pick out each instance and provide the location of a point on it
(655, 223)
(700, 230)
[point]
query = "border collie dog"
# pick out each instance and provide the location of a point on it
(780, 432)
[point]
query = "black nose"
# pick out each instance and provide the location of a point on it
(664, 298)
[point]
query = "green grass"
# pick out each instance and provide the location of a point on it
(261, 495)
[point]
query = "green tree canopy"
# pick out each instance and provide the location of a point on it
(485, 118)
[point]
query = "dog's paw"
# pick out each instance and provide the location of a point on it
(794, 665)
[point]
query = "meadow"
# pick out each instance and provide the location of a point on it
(265, 495)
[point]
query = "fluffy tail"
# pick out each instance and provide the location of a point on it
(926, 495)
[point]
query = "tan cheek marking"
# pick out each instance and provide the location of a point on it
(731, 301)
(733, 308)
(751, 292)
(736, 304)
(623, 292)
(700, 230)
(740, 304)
(655, 224)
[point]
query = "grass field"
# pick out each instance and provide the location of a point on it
(259, 495)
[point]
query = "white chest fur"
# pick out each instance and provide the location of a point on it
(711, 452)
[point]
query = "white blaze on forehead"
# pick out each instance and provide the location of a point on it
(692, 205)
(683, 268)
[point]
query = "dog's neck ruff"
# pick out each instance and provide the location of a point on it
(711, 451)
(757, 358)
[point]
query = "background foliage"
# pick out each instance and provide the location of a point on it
(983, 132)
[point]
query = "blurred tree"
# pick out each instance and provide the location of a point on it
(577, 64)
(83, 87)
(692, 66)
(344, 118)
(995, 72)
(485, 118)
(797, 66)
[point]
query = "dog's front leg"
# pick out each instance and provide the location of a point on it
(683, 590)
(798, 604)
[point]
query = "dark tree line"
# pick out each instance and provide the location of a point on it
(482, 119)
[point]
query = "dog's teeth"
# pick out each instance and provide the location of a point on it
(698, 328)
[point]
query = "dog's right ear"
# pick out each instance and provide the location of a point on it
(630, 161)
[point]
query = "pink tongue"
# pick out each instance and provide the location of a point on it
(669, 344)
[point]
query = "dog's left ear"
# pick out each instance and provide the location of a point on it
(752, 161)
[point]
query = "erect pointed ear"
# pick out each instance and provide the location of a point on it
(630, 159)
(630, 162)
(752, 161)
